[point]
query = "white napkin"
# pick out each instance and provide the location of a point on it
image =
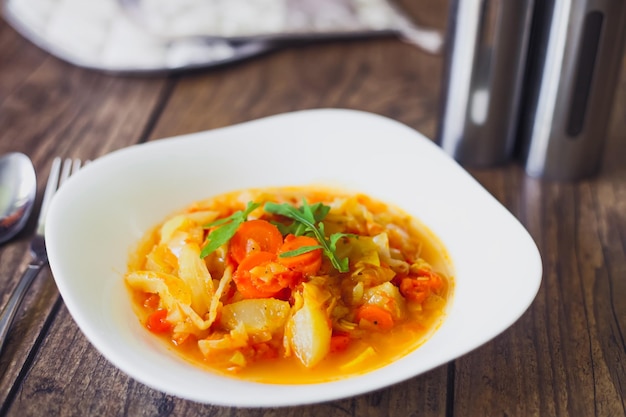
(167, 35)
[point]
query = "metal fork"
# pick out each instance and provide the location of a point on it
(58, 175)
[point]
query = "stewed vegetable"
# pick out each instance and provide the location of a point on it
(290, 284)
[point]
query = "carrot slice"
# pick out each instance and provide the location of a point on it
(419, 288)
(339, 342)
(307, 263)
(378, 316)
(256, 277)
(414, 289)
(258, 235)
(157, 322)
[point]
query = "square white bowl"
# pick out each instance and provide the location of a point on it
(101, 212)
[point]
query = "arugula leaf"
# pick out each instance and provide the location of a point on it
(334, 238)
(308, 219)
(227, 229)
(317, 212)
(299, 251)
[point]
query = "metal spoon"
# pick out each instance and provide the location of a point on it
(18, 188)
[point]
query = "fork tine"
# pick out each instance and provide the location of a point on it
(76, 165)
(51, 187)
(58, 175)
(66, 171)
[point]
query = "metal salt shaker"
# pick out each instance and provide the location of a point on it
(574, 60)
(487, 43)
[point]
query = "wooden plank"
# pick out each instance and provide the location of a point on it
(18, 57)
(354, 75)
(49, 108)
(565, 355)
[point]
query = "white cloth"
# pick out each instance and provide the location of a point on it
(165, 35)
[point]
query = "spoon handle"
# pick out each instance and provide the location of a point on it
(8, 313)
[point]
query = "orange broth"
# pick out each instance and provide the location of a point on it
(279, 356)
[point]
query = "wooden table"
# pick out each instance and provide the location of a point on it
(565, 356)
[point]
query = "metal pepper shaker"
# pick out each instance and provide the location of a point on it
(486, 48)
(575, 55)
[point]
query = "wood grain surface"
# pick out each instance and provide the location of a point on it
(566, 356)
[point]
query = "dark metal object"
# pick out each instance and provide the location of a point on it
(485, 61)
(576, 50)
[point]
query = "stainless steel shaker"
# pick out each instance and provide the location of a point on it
(575, 56)
(486, 50)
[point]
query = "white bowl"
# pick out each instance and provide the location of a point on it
(99, 214)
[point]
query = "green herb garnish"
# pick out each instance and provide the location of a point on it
(228, 226)
(308, 219)
(299, 251)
